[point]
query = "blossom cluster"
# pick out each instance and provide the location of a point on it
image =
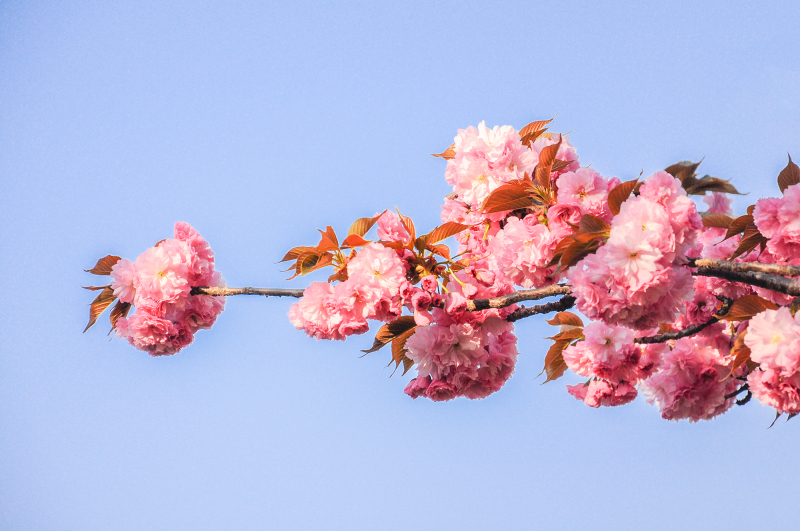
(773, 338)
(159, 285)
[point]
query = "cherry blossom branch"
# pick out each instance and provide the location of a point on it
(517, 296)
(267, 292)
(688, 331)
(564, 303)
(723, 265)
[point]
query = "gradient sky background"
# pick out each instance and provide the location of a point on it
(259, 123)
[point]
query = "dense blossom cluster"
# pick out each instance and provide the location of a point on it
(633, 257)
(159, 284)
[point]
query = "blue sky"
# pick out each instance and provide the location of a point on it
(259, 123)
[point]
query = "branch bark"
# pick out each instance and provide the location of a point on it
(753, 278)
(564, 303)
(517, 296)
(266, 292)
(723, 265)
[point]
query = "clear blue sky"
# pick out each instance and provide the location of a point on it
(260, 122)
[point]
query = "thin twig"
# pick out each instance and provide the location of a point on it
(688, 331)
(564, 303)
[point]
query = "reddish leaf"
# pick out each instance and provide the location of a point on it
(361, 226)
(559, 164)
(329, 241)
(408, 224)
(541, 174)
(94, 288)
(451, 228)
(749, 242)
(399, 350)
(738, 226)
(788, 176)
(297, 252)
(740, 353)
(441, 250)
(534, 127)
(719, 221)
(569, 334)
(99, 304)
(390, 331)
(532, 131)
(507, 197)
(710, 184)
(684, 171)
(120, 309)
(354, 240)
(448, 153)
(554, 364)
(593, 224)
(104, 265)
(619, 194)
(746, 307)
(579, 249)
(565, 318)
(393, 245)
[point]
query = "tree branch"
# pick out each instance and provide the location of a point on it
(688, 331)
(753, 278)
(267, 292)
(564, 303)
(517, 296)
(723, 265)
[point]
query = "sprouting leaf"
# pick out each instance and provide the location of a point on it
(746, 307)
(94, 288)
(541, 174)
(120, 309)
(593, 224)
(354, 240)
(507, 197)
(390, 331)
(554, 364)
(619, 194)
(451, 228)
(329, 241)
(448, 153)
(362, 225)
(99, 304)
(104, 265)
(565, 318)
(788, 176)
(718, 221)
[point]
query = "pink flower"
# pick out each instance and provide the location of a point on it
(773, 338)
(772, 389)
(148, 332)
(602, 393)
(390, 228)
(585, 188)
(718, 203)
(691, 383)
(201, 257)
(123, 274)
(379, 266)
(162, 272)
